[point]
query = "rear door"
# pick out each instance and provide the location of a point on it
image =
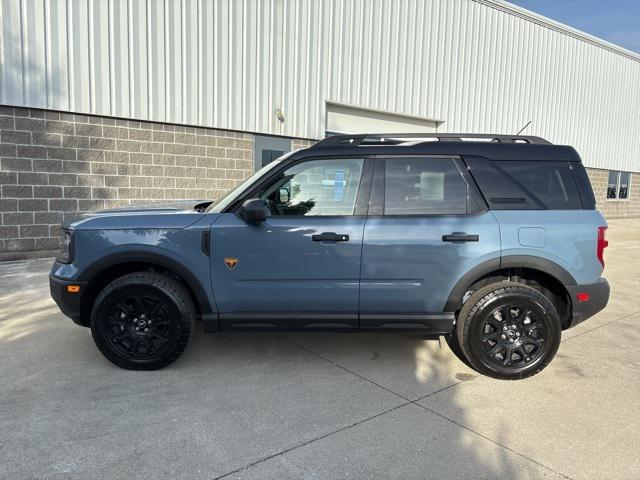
(427, 226)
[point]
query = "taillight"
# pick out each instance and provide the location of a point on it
(602, 243)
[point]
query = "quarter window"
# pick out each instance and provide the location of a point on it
(423, 186)
(619, 185)
(316, 187)
(551, 183)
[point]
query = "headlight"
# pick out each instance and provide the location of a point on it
(66, 248)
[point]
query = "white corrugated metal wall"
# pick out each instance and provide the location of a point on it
(231, 63)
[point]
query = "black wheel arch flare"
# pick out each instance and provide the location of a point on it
(454, 302)
(153, 259)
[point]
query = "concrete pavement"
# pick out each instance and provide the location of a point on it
(242, 405)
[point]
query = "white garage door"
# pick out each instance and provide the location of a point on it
(349, 119)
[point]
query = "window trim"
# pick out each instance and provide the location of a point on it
(377, 199)
(362, 196)
(618, 177)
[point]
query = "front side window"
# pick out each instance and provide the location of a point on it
(423, 186)
(618, 185)
(316, 188)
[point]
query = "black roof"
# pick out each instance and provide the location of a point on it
(494, 147)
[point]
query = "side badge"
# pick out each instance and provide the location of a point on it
(231, 262)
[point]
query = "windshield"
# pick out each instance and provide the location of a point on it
(226, 200)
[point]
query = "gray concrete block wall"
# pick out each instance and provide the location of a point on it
(53, 166)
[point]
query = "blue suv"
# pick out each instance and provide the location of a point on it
(492, 241)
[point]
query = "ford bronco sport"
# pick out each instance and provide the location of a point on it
(492, 241)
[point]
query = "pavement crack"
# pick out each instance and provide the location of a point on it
(342, 367)
(407, 402)
(295, 447)
(489, 439)
(601, 326)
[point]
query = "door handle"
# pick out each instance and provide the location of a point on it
(460, 237)
(330, 237)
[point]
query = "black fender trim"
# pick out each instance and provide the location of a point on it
(538, 263)
(145, 256)
(454, 302)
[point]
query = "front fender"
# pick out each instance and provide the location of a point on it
(177, 250)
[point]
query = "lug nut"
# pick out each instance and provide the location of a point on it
(517, 334)
(503, 336)
(513, 326)
(504, 328)
(511, 340)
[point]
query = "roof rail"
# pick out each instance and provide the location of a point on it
(372, 139)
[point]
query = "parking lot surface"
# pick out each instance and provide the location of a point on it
(244, 405)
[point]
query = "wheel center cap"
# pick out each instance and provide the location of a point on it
(142, 324)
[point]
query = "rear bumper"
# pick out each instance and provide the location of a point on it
(69, 303)
(598, 297)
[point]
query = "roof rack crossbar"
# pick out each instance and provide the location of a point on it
(370, 139)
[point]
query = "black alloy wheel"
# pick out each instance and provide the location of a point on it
(513, 335)
(139, 326)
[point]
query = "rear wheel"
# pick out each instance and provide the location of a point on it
(508, 331)
(142, 321)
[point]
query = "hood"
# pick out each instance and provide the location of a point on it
(178, 214)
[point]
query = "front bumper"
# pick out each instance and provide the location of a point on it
(69, 303)
(598, 297)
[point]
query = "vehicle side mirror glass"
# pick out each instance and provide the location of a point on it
(253, 211)
(283, 195)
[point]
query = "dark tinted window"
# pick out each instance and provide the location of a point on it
(618, 185)
(415, 186)
(623, 191)
(612, 186)
(551, 183)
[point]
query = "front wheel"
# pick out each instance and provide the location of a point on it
(142, 320)
(508, 331)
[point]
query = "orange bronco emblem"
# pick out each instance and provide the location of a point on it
(231, 262)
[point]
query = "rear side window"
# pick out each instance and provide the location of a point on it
(423, 186)
(528, 185)
(551, 183)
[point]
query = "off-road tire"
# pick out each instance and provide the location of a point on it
(475, 315)
(160, 297)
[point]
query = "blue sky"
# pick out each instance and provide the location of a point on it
(617, 21)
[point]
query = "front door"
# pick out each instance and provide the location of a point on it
(300, 268)
(427, 226)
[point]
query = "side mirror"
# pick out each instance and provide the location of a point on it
(253, 211)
